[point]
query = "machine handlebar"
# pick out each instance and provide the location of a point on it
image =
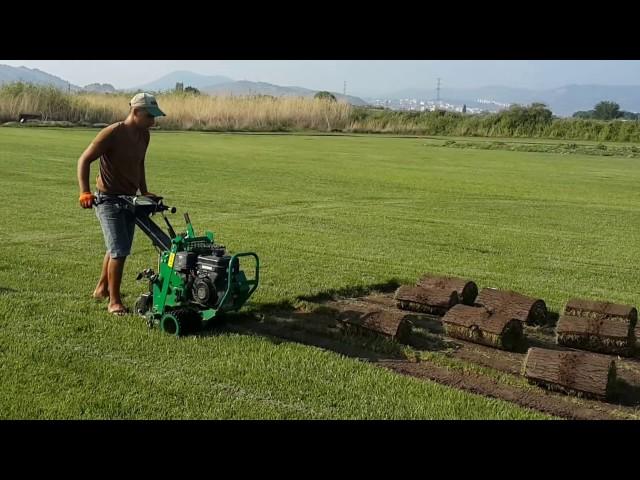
(136, 203)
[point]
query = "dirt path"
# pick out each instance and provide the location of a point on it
(498, 378)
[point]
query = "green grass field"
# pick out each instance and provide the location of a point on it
(324, 214)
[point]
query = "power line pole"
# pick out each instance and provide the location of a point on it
(344, 92)
(438, 90)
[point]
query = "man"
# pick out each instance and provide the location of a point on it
(121, 148)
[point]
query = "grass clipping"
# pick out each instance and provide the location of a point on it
(479, 325)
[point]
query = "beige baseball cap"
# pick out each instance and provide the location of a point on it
(148, 102)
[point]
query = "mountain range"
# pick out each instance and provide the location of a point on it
(10, 74)
(191, 79)
(210, 84)
(220, 85)
(563, 101)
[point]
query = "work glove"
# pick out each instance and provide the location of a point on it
(87, 199)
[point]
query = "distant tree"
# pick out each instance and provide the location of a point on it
(193, 90)
(527, 120)
(464, 108)
(583, 114)
(179, 86)
(541, 112)
(607, 111)
(324, 95)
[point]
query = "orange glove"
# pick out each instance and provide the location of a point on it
(87, 199)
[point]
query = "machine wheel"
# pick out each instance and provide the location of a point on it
(180, 322)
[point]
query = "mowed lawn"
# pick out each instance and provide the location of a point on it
(325, 213)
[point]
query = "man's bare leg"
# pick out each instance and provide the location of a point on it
(102, 289)
(115, 270)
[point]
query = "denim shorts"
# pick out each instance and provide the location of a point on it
(118, 226)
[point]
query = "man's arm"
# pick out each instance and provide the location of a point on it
(143, 180)
(91, 154)
(143, 177)
(97, 148)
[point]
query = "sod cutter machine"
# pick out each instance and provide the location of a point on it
(196, 280)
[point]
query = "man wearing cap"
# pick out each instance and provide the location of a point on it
(121, 148)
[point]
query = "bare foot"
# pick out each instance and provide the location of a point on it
(100, 294)
(118, 309)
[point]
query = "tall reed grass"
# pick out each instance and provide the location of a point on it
(186, 111)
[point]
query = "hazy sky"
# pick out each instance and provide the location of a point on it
(364, 77)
